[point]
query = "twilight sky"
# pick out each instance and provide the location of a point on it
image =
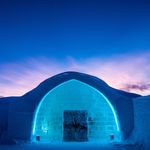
(106, 38)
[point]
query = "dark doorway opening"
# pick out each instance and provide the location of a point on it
(75, 126)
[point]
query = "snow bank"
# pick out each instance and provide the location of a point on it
(67, 146)
(141, 132)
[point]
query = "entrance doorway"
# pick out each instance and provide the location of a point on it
(75, 126)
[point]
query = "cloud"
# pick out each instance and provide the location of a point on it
(129, 72)
(140, 87)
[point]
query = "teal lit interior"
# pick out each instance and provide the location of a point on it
(75, 95)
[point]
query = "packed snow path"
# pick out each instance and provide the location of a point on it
(68, 146)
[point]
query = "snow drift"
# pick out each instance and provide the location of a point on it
(141, 131)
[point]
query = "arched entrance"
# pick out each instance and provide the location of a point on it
(75, 111)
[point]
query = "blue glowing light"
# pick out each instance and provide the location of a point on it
(86, 85)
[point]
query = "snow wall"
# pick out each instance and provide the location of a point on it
(141, 132)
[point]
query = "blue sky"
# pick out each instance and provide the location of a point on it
(62, 32)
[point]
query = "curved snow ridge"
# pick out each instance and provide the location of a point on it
(55, 80)
(95, 82)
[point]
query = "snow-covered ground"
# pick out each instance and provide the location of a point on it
(69, 146)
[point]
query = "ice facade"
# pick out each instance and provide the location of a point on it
(90, 115)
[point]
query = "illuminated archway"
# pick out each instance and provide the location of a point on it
(74, 95)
